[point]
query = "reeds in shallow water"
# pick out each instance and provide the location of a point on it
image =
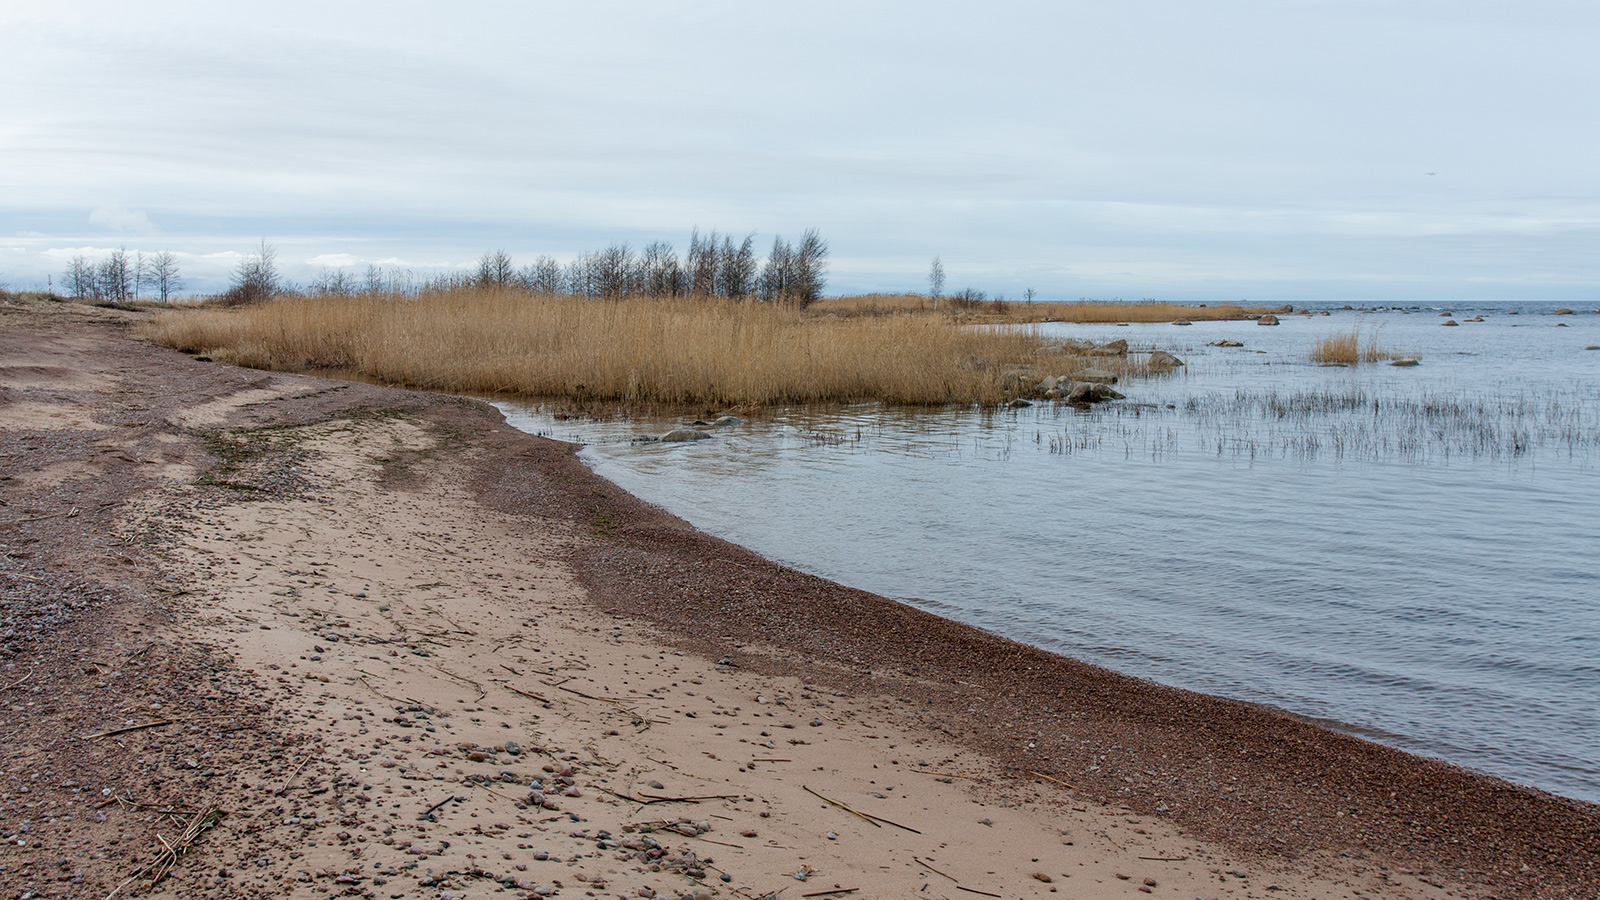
(1346, 349)
(1343, 423)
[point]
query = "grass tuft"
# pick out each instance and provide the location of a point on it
(1347, 349)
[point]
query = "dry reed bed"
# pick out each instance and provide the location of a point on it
(688, 351)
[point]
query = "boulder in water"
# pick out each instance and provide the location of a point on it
(1226, 343)
(1161, 359)
(1449, 322)
(1086, 392)
(1406, 361)
(1182, 322)
(1563, 311)
(726, 421)
(1268, 319)
(1118, 347)
(1097, 376)
(682, 434)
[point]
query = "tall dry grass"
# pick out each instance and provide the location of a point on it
(1347, 349)
(1012, 311)
(685, 351)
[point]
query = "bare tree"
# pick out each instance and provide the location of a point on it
(1029, 294)
(334, 282)
(811, 267)
(660, 274)
(702, 263)
(777, 276)
(936, 281)
(736, 276)
(495, 269)
(544, 276)
(581, 276)
(164, 277)
(115, 277)
(256, 277)
(80, 278)
(614, 271)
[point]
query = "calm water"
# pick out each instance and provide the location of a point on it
(1409, 554)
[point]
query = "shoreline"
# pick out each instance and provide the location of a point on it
(1201, 775)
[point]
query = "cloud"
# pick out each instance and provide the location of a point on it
(120, 218)
(335, 260)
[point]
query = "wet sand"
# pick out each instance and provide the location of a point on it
(410, 651)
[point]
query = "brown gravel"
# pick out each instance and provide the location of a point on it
(85, 647)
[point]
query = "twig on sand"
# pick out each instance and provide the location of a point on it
(948, 774)
(975, 891)
(295, 774)
(637, 719)
(19, 681)
(932, 869)
(115, 731)
(157, 724)
(855, 812)
(868, 815)
(464, 680)
(649, 799)
(428, 814)
(1165, 858)
(481, 785)
(831, 893)
(171, 853)
(529, 694)
(1048, 778)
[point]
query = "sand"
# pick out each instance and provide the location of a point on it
(410, 652)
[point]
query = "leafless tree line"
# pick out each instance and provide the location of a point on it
(715, 265)
(119, 278)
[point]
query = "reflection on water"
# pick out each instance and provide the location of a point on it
(1411, 552)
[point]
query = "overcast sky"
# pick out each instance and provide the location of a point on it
(1290, 149)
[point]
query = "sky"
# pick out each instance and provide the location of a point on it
(1234, 149)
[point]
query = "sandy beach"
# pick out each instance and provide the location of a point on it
(270, 635)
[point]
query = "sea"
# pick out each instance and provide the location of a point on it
(1410, 554)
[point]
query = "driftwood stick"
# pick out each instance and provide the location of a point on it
(868, 816)
(651, 798)
(931, 868)
(428, 813)
(100, 734)
(1048, 778)
(529, 694)
(855, 812)
(295, 774)
(949, 774)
